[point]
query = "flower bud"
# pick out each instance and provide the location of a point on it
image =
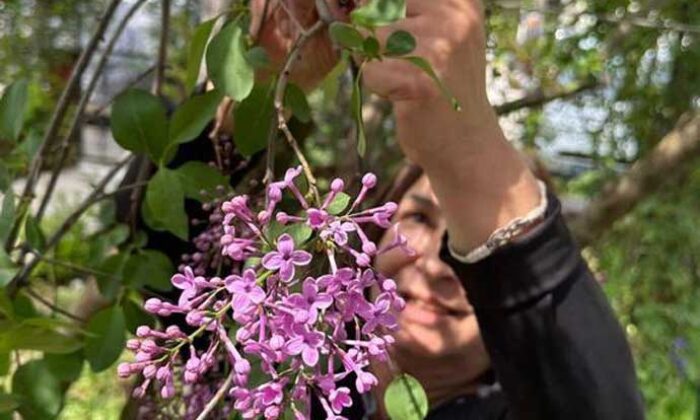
(124, 370)
(369, 180)
(153, 305)
(133, 344)
(242, 367)
(149, 371)
(143, 331)
(337, 185)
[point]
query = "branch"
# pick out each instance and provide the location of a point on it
(57, 118)
(634, 20)
(31, 293)
(539, 99)
(217, 398)
(280, 90)
(82, 105)
(21, 278)
(133, 82)
(671, 159)
(163, 48)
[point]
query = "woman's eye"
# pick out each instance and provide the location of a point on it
(417, 217)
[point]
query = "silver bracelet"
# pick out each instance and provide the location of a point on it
(504, 235)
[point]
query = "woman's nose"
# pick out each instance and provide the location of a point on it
(429, 258)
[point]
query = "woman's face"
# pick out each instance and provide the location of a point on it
(438, 321)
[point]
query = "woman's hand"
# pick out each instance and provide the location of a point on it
(283, 23)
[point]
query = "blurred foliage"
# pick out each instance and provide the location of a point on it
(643, 55)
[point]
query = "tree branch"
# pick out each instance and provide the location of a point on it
(217, 398)
(21, 278)
(670, 160)
(36, 296)
(163, 47)
(539, 99)
(57, 118)
(280, 90)
(82, 105)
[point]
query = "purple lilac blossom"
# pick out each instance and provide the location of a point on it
(275, 324)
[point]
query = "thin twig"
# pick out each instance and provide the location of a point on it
(263, 20)
(57, 118)
(21, 278)
(31, 293)
(538, 99)
(280, 90)
(135, 81)
(324, 13)
(82, 105)
(293, 18)
(74, 267)
(217, 398)
(121, 189)
(270, 163)
(658, 24)
(163, 47)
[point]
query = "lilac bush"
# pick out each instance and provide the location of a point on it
(298, 308)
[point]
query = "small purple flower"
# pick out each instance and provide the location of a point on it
(380, 315)
(271, 393)
(285, 258)
(365, 381)
(317, 218)
(307, 344)
(310, 301)
(340, 398)
(245, 290)
(338, 231)
(190, 286)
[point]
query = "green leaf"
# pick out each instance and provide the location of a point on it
(192, 117)
(165, 199)
(371, 47)
(196, 52)
(346, 35)
(5, 178)
(29, 336)
(35, 237)
(228, 67)
(298, 231)
(400, 43)
(379, 13)
(41, 394)
(111, 278)
(258, 58)
(13, 107)
(295, 100)
(149, 268)
(196, 177)
(331, 84)
(8, 402)
(253, 119)
(107, 337)
(424, 65)
(405, 399)
(139, 123)
(339, 204)
(4, 362)
(30, 145)
(7, 214)
(135, 316)
(356, 102)
(65, 367)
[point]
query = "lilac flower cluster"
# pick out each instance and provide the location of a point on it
(278, 320)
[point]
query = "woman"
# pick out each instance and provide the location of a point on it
(497, 284)
(503, 319)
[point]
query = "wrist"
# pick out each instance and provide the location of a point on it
(432, 133)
